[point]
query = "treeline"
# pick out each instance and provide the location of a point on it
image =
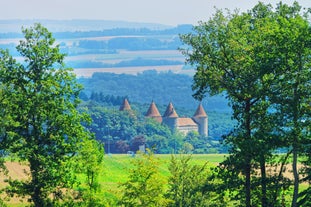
(151, 85)
(131, 43)
(180, 29)
(128, 63)
(123, 131)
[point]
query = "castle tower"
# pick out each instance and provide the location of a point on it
(200, 117)
(170, 117)
(125, 106)
(154, 113)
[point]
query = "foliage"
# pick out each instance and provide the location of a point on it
(260, 59)
(151, 85)
(145, 185)
(290, 81)
(40, 122)
(90, 162)
(187, 183)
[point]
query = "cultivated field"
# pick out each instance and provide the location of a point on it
(88, 72)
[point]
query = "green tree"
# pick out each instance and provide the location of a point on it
(90, 163)
(224, 54)
(42, 125)
(249, 57)
(145, 186)
(290, 81)
(187, 183)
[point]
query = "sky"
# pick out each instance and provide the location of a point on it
(168, 12)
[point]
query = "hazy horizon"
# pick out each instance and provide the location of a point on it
(166, 12)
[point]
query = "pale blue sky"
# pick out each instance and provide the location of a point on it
(169, 12)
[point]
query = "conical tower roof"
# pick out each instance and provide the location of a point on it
(170, 111)
(125, 105)
(200, 112)
(153, 111)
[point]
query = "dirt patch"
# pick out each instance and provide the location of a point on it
(287, 171)
(18, 171)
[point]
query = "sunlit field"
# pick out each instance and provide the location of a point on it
(115, 170)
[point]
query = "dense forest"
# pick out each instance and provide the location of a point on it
(162, 87)
(103, 94)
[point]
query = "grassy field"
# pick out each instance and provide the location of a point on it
(115, 171)
(116, 166)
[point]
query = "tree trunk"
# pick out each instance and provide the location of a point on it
(248, 155)
(264, 201)
(296, 177)
(36, 192)
(248, 184)
(296, 140)
(37, 198)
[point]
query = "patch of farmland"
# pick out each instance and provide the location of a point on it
(88, 72)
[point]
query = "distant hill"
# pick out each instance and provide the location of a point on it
(115, 46)
(15, 25)
(151, 85)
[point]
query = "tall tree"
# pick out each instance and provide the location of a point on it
(42, 125)
(250, 57)
(290, 84)
(223, 51)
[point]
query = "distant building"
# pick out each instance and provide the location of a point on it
(198, 123)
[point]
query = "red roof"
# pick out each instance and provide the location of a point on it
(170, 111)
(153, 110)
(125, 106)
(200, 112)
(185, 122)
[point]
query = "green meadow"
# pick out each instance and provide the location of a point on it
(116, 168)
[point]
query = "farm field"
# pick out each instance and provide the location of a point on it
(115, 170)
(88, 72)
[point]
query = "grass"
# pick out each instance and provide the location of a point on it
(116, 167)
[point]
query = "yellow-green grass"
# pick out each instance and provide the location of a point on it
(116, 168)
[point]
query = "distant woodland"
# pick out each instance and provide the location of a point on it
(104, 93)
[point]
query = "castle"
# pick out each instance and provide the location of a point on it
(198, 123)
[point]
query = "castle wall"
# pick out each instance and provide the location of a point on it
(186, 129)
(171, 122)
(202, 125)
